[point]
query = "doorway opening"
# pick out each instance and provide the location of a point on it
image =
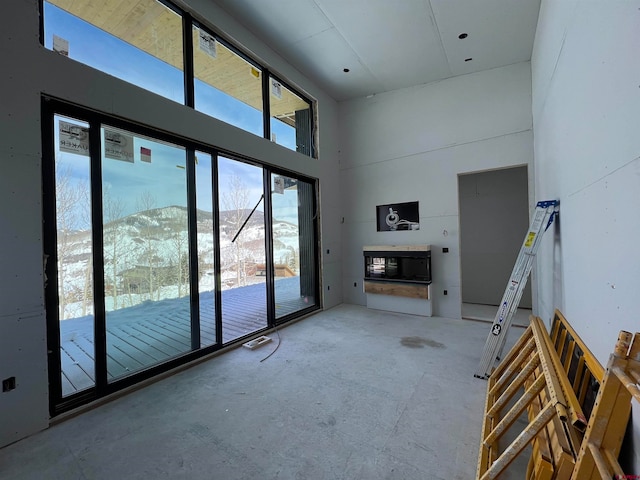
(494, 217)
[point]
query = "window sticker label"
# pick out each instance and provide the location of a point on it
(73, 138)
(276, 89)
(530, 238)
(145, 154)
(61, 45)
(208, 44)
(118, 146)
(278, 185)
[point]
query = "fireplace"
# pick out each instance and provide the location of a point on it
(393, 263)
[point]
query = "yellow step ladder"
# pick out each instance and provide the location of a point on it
(533, 370)
(598, 455)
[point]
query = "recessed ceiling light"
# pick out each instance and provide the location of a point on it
(462, 36)
(468, 59)
(346, 70)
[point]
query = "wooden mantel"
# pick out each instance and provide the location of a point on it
(396, 248)
(398, 289)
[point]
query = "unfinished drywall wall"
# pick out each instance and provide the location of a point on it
(586, 99)
(494, 217)
(410, 145)
(31, 70)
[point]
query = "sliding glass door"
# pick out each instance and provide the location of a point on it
(146, 251)
(294, 252)
(206, 248)
(160, 250)
(243, 263)
(73, 255)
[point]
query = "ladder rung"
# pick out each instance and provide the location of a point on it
(627, 381)
(601, 463)
(519, 444)
(514, 386)
(516, 410)
(513, 366)
(575, 410)
(612, 461)
(522, 343)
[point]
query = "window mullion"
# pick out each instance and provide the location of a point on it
(193, 249)
(187, 49)
(97, 228)
(266, 104)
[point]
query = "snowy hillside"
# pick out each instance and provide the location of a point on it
(146, 257)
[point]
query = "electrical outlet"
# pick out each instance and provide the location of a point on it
(446, 293)
(8, 384)
(257, 342)
(328, 287)
(445, 249)
(355, 284)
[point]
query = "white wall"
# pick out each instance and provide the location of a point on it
(30, 69)
(410, 145)
(586, 101)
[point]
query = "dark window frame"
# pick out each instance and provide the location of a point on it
(191, 19)
(50, 107)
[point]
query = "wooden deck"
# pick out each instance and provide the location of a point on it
(147, 334)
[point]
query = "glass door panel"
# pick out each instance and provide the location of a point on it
(242, 248)
(293, 244)
(74, 251)
(146, 251)
(206, 248)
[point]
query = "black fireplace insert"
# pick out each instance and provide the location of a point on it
(398, 266)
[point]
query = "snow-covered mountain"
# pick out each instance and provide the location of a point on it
(146, 256)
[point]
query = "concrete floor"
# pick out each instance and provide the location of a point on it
(351, 393)
(487, 313)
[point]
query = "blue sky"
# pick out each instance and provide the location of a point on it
(165, 176)
(99, 49)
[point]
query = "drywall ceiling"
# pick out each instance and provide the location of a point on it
(390, 44)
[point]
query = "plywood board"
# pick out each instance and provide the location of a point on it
(398, 289)
(396, 248)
